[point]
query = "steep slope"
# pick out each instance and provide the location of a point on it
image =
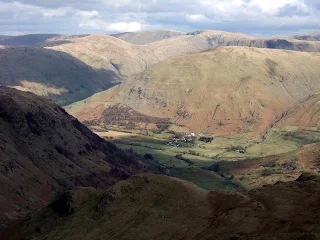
(44, 150)
(146, 37)
(50, 73)
(304, 116)
(159, 207)
(226, 91)
(109, 53)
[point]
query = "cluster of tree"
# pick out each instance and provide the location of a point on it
(239, 149)
(206, 139)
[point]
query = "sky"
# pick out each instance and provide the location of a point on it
(254, 17)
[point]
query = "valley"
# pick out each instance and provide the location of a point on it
(159, 134)
(226, 163)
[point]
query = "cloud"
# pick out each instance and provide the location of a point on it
(197, 18)
(124, 27)
(291, 10)
(260, 17)
(111, 27)
(88, 14)
(24, 10)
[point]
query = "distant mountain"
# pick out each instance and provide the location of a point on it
(225, 91)
(146, 37)
(103, 52)
(26, 40)
(125, 59)
(159, 207)
(2, 37)
(308, 37)
(34, 39)
(101, 61)
(53, 74)
(44, 150)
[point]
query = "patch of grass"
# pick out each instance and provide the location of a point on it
(167, 159)
(203, 178)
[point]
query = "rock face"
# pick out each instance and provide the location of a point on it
(159, 207)
(226, 91)
(44, 150)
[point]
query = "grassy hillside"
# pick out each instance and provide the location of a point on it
(225, 91)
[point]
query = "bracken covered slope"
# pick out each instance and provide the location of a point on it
(44, 150)
(304, 116)
(159, 207)
(226, 91)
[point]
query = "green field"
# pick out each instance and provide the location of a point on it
(198, 156)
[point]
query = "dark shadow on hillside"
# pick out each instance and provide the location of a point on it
(53, 43)
(54, 69)
(308, 37)
(59, 41)
(27, 40)
(38, 40)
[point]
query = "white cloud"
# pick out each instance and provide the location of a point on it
(118, 3)
(82, 16)
(88, 14)
(197, 18)
(124, 27)
(54, 12)
(271, 6)
(111, 27)
(25, 10)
